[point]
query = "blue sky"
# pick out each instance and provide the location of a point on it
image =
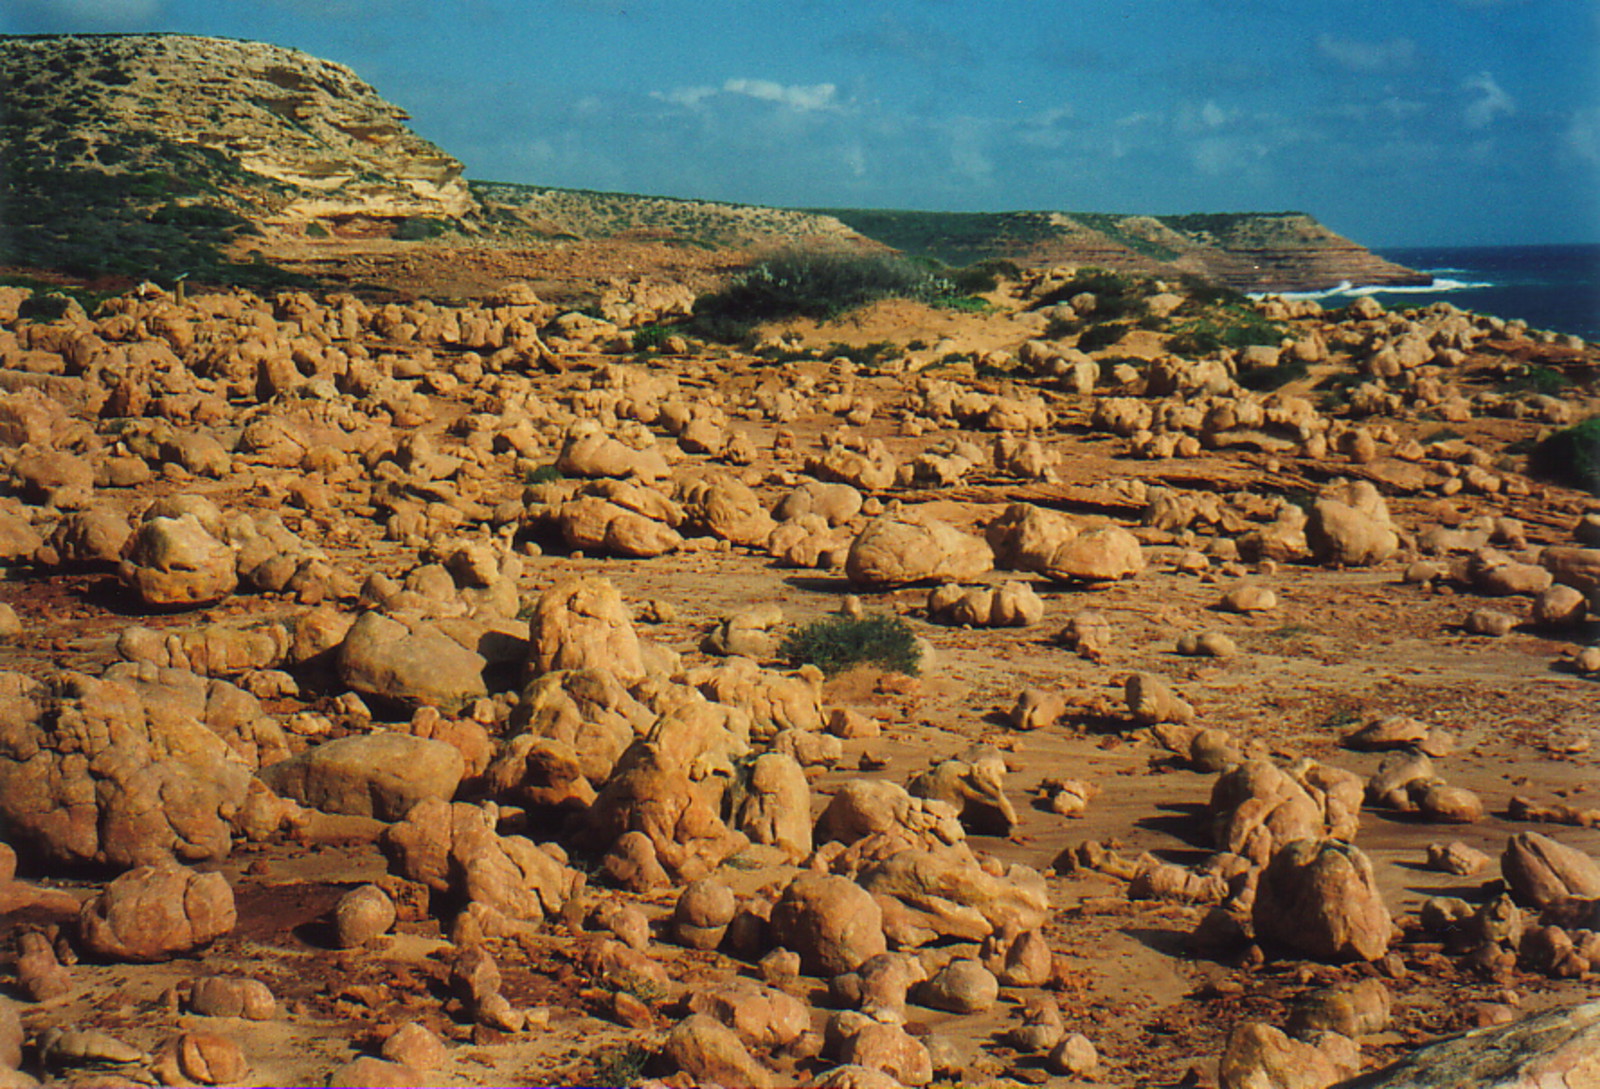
(1396, 122)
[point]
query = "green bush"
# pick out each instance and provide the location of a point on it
(1570, 457)
(419, 229)
(650, 339)
(840, 642)
(811, 284)
(1103, 335)
(620, 1064)
(1532, 378)
(1231, 327)
(1204, 292)
(982, 277)
(1116, 295)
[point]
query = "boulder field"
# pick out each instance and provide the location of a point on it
(401, 693)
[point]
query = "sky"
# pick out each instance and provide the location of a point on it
(1395, 122)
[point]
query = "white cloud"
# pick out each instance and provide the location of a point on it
(1357, 56)
(1583, 135)
(801, 97)
(687, 97)
(818, 96)
(1492, 101)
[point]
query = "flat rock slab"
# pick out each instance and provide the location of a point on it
(1558, 1048)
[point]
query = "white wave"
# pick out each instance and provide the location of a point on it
(1348, 290)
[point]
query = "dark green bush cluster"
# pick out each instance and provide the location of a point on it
(1116, 294)
(1570, 457)
(1204, 292)
(982, 277)
(1270, 378)
(812, 284)
(419, 229)
(838, 643)
(1102, 335)
(1229, 327)
(650, 339)
(1532, 378)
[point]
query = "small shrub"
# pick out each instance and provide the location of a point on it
(811, 284)
(1103, 335)
(1206, 292)
(419, 229)
(1532, 378)
(196, 215)
(1270, 378)
(1570, 457)
(838, 643)
(544, 474)
(316, 230)
(865, 355)
(983, 276)
(620, 1064)
(965, 304)
(650, 339)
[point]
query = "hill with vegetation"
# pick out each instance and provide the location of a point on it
(161, 156)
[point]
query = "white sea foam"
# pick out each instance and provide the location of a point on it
(1348, 290)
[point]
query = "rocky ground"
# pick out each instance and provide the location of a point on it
(393, 694)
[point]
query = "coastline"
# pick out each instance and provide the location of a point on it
(1551, 287)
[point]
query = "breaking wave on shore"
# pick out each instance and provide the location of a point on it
(1347, 290)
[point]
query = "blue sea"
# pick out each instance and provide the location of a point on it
(1549, 287)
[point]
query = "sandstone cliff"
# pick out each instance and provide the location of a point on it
(1249, 251)
(159, 155)
(146, 154)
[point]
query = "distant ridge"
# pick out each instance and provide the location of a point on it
(159, 155)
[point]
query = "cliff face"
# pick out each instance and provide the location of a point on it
(153, 155)
(276, 133)
(1249, 251)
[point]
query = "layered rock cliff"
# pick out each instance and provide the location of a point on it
(269, 132)
(1249, 251)
(157, 155)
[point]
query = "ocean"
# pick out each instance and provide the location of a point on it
(1549, 287)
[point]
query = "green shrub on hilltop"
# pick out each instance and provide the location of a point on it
(1224, 327)
(1570, 457)
(1117, 295)
(840, 642)
(812, 284)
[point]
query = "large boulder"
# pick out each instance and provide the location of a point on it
(1257, 807)
(589, 452)
(174, 563)
(111, 772)
(1319, 898)
(381, 774)
(409, 663)
(1541, 870)
(594, 524)
(1258, 1056)
(711, 1053)
(727, 509)
(897, 552)
(154, 913)
(455, 850)
(1350, 526)
(579, 623)
(948, 892)
(833, 923)
(651, 792)
(1062, 548)
(771, 803)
